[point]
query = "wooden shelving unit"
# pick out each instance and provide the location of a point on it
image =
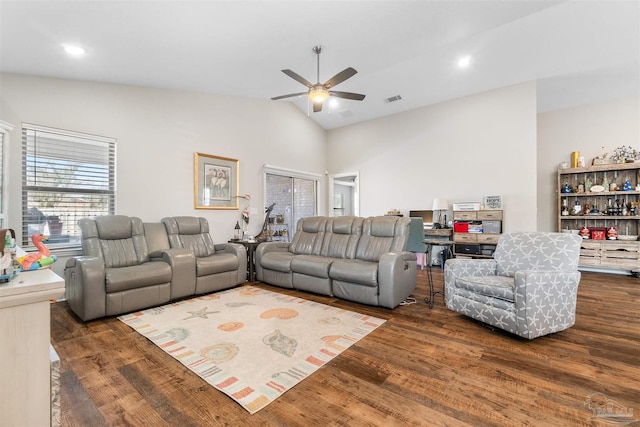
(607, 254)
(476, 245)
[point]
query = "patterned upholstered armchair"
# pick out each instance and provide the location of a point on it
(529, 288)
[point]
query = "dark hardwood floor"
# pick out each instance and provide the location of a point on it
(422, 367)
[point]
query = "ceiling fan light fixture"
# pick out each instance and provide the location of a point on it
(318, 93)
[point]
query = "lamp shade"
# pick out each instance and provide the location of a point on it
(440, 205)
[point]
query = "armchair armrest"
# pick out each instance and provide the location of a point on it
(545, 301)
(397, 277)
(463, 267)
(183, 271)
(85, 287)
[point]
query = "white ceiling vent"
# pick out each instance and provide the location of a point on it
(393, 99)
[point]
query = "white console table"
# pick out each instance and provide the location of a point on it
(25, 335)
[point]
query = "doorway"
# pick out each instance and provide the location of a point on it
(345, 194)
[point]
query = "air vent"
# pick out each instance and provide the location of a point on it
(393, 99)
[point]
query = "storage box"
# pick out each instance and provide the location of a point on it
(468, 249)
(492, 227)
(598, 233)
(461, 227)
(487, 249)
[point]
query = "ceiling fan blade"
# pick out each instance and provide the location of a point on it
(317, 106)
(340, 77)
(347, 95)
(291, 95)
(297, 77)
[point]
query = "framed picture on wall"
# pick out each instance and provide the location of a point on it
(492, 202)
(215, 182)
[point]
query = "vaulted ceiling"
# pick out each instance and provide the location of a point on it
(579, 52)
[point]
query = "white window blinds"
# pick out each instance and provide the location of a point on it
(2, 180)
(65, 176)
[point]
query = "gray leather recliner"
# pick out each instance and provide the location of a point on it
(218, 266)
(116, 275)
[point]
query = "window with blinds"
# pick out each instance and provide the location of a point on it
(65, 176)
(2, 180)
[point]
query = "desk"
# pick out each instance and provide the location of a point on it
(25, 338)
(251, 262)
(430, 244)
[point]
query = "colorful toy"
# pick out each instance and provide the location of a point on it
(40, 259)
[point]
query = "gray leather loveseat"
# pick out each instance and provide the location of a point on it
(128, 265)
(357, 259)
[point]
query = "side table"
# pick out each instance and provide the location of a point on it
(430, 244)
(251, 263)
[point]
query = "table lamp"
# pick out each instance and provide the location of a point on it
(440, 205)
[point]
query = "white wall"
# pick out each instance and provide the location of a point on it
(461, 150)
(586, 129)
(158, 132)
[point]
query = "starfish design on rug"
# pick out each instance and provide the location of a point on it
(202, 313)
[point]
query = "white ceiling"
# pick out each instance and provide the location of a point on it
(578, 51)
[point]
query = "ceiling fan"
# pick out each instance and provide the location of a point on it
(319, 92)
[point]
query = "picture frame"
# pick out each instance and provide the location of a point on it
(492, 202)
(215, 182)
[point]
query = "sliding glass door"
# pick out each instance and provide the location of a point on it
(295, 197)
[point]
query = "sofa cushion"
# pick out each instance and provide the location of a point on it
(309, 236)
(188, 225)
(536, 251)
(355, 271)
(492, 286)
(190, 233)
(119, 253)
(278, 261)
(218, 263)
(381, 235)
(137, 276)
(311, 265)
(341, 237)
(464, 296)
(114, 227)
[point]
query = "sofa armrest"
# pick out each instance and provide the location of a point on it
(545, 301)
(241, 253)
(85, 287)
(265, 248)
(183, 271)
(397, 277)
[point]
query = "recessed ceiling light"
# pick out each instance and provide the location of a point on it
(464, 61)
(334, 103)
(74, 50)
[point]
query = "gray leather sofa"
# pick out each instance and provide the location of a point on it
(129, 265)
(353, 258)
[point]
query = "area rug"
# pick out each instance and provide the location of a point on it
(250, 343)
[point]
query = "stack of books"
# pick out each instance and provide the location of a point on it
(475, 228)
